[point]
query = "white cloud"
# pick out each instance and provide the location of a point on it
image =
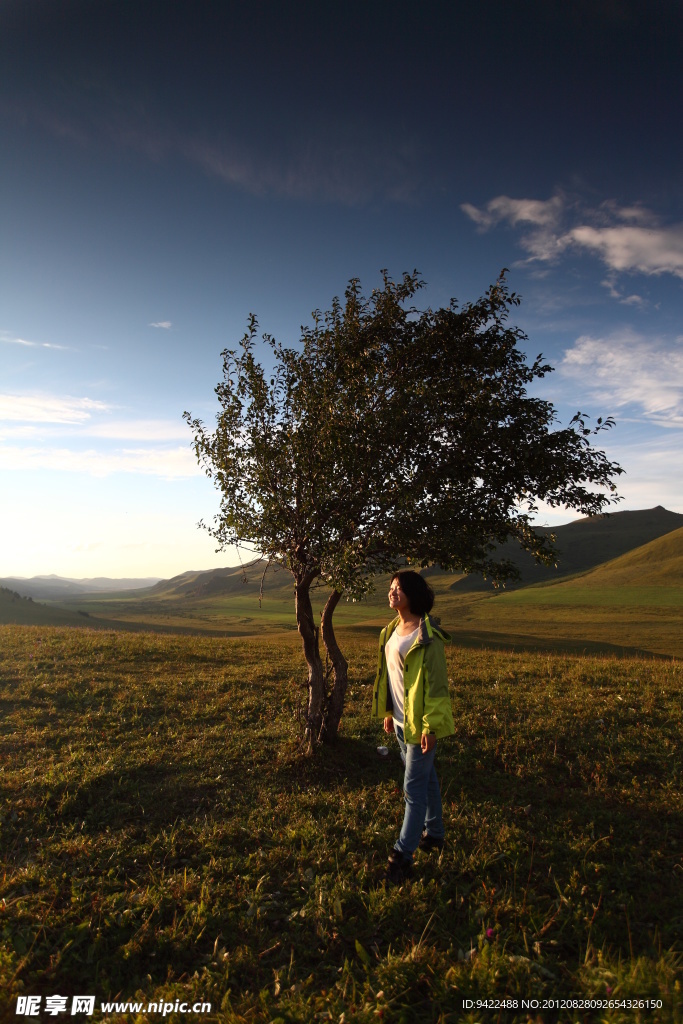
(610, 283)
(167, 463)
(164, 431)
(166, 324)
(544, 216)
(39, 408)
(637, 214)
(148, 430)
(542, 212)
(628, 369)
(647, 250)
(23, 431)
(627, 239)
(33, 429)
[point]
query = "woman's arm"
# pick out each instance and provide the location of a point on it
(437, 717)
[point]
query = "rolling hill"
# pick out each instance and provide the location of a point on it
(228, 582)
(631, 604)
(582, 545)
(24, 611)
(657, 564)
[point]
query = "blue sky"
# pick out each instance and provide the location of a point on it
(166, 168)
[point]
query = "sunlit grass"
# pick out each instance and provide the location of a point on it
(163, 838)
(600, 597)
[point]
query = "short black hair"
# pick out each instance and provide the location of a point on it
(420, 595)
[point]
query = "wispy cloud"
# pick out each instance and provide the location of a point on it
(349, 163)
(161, 431)
(626, 369)
(8, 339)
(543, 217)
(615, 292)
(146, 430)
(627, 239)
(39, 414)
(167, 463)
(78, 435)
(166, 324)
(40, 408)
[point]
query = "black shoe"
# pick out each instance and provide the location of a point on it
(398, 868)
(428, 843)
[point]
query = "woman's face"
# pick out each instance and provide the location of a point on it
(397, 598)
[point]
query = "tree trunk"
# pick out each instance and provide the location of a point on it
(335, 701)
(316, 676)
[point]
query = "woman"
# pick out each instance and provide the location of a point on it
(411, 696)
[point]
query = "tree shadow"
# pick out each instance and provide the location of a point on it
(155, 795)
(350, 762)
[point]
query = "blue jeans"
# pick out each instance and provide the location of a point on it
(422, 794)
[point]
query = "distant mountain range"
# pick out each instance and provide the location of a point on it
(581, 546)
(56, 588)
(618, 587)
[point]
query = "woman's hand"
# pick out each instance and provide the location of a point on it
(389, 723)
(428, 742)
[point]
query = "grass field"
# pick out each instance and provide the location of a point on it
(596, 597)
(609, 620)
(630, 605)
(163, 839)
(639, 622)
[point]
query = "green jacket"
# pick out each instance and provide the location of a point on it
(426, 702)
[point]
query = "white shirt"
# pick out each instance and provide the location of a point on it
(396, 649)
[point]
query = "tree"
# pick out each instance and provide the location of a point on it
(390, 434)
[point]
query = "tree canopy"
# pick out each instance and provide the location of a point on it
(391, 434)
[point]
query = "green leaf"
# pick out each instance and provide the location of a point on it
(362, 953)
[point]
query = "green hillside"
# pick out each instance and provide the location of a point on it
(23, 611)
(232, 581)
(657, 564)
(634, 602)
(226, 602)
(654, 571)
(583, 544)
(236, 589)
